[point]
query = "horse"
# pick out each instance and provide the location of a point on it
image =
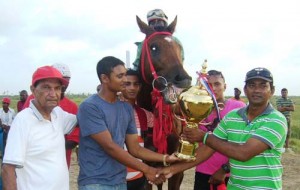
(162, 73)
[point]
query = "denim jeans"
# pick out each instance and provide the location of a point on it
(103, 187)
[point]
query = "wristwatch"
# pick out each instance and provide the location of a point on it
(226, 168)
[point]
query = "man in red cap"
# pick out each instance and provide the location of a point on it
(67, 105)
(7, 115)
(35, 152)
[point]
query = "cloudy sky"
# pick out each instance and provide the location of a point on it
(234, 36)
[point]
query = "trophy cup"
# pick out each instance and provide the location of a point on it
(196, 104)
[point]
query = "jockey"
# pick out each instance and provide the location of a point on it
(157, 20)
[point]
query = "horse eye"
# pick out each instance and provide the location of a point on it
(153, 48)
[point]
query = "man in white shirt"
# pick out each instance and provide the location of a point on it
(35, 151)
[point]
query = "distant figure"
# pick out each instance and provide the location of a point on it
(237, 95)
(7, 116)
(157, 20)
(286, 106)
(23, 98)
(35, 152)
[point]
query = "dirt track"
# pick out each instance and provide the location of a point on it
(291, 177)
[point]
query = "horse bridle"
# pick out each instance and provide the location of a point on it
(167, 91)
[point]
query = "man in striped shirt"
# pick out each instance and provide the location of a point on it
(252, 137)
(286, 106)
(136, 180)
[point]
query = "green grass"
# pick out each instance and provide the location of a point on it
(295, 122)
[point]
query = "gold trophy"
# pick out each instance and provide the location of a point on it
(196, 104)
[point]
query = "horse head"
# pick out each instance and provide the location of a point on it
(161, 63)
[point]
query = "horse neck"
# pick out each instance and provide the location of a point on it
(144, 99)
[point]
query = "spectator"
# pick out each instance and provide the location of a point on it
(285, 105)
(144, 121)
(35, 151)
(7, 116)
(212, 172)
(252, 137)
(237, 95)
(23, 98)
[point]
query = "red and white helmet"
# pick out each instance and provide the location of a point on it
(63, 68)
(157, 14)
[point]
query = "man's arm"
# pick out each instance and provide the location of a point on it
(240, 152)
(282, 108)
(105, 141)
(138, 151)
(9, 177)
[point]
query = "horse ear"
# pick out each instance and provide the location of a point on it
(144, 27)
(172, 26)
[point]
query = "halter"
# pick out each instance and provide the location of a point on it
(145, 51)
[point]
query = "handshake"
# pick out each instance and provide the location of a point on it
(159, 175)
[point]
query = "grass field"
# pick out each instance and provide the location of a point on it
(295, 140)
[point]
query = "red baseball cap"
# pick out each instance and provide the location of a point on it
(47, 72)
(6, 100)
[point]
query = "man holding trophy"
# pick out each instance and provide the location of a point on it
(213, 171)
(252, 137)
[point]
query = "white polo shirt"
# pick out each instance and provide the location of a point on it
(37, 148)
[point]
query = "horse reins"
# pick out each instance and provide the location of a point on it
(163, 125)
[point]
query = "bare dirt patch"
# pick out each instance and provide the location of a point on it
(290, 161)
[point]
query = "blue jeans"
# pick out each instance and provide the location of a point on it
(103, 187)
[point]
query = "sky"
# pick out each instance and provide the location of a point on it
(234, 36)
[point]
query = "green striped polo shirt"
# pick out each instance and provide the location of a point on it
(285, 102)
(264, 171)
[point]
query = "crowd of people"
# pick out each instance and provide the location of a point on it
(240, 145)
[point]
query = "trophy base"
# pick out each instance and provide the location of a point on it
(185, 157)
(186, 150)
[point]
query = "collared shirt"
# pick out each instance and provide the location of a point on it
(263, 171)
(7, 118)
(36, 147)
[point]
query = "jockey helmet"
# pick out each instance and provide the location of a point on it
(63, 68)
(157, 14)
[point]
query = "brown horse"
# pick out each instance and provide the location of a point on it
(161, 68)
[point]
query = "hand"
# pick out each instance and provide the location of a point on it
(166, 172)
(193, 134)
(172, 158)
(218, 177)
(5, 128)
(154, 177)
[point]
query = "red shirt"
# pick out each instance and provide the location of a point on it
(20, 105)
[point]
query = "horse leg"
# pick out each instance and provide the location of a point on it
(148, 143)
(175, 181)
